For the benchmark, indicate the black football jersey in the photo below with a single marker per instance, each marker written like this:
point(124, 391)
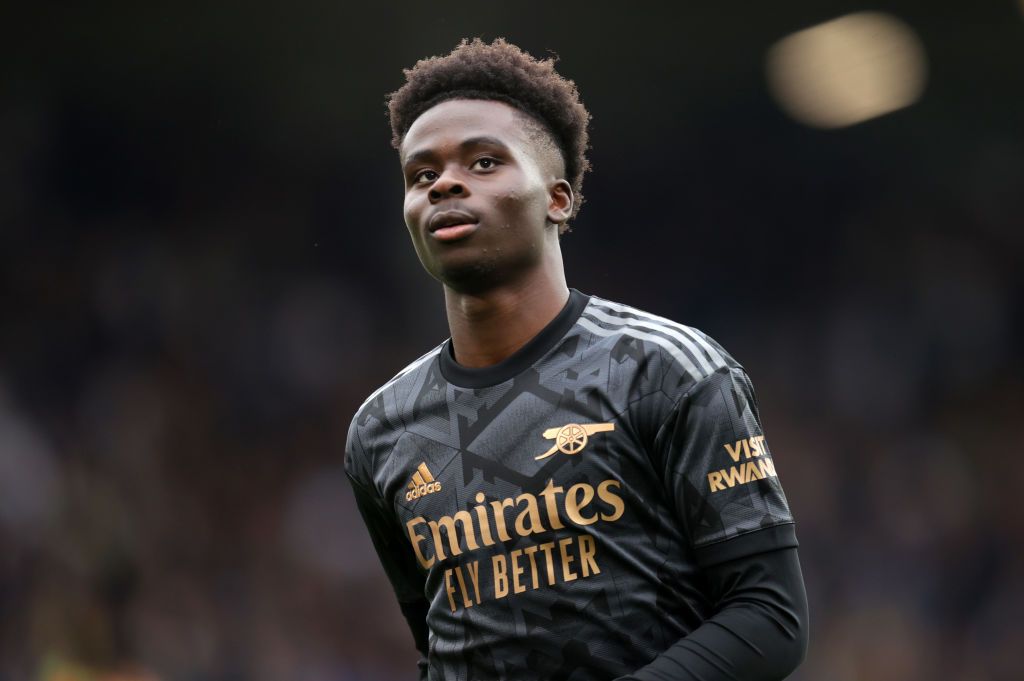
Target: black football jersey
point(553, 513)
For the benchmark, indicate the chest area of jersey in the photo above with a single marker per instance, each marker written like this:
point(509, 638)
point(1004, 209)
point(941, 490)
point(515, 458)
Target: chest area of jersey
point(491, 530)
point(453, 453)
point(521, 491)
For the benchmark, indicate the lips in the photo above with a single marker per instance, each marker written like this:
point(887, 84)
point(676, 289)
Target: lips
point(448, 218)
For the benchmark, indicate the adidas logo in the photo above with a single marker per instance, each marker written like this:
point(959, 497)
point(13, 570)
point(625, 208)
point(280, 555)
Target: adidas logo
point(422, 484)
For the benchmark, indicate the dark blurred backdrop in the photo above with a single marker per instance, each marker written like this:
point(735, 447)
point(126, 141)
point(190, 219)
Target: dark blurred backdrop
point(205, 271)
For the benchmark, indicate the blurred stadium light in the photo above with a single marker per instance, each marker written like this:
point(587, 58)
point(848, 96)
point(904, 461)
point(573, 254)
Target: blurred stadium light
point(847, 70)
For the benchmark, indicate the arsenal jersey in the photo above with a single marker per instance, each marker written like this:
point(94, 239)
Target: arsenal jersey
point(551, 515)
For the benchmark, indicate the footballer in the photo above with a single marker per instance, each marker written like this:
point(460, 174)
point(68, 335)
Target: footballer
point(567, 487)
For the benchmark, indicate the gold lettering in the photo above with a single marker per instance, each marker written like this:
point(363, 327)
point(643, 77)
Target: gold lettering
point(485, 524)
point(734, 451)
point(449, 588)
point(587, 550)
point(567, 574)
point(500, 571)
point(533, 513)
point(573, 505)
point(416, 539)
point(462, 586)
point(448, 523)
point(733, 476)
point(739, 475)
point(499, 517)
point(452, 535)
point(529, 551)
point(612, 499)
point(474, 575)
point(548, 560)
point(746, 448)
point(752, 472)
point(551, 503)
point(516, 571)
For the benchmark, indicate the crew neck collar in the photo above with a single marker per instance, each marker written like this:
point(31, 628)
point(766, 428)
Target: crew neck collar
point(521, 359)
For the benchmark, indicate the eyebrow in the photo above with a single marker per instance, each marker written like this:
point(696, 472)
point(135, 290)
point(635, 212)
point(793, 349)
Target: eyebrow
point(481, 140)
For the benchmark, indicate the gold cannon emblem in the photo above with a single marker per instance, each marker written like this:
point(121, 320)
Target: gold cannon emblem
point(573, 437)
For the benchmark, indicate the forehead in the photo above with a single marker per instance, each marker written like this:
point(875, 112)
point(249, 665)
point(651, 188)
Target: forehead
point(457, 119)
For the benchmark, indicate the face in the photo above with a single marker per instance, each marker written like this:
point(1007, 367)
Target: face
point(484, 194)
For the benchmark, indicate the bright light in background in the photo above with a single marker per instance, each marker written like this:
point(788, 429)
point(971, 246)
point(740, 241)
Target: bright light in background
point(847, 70)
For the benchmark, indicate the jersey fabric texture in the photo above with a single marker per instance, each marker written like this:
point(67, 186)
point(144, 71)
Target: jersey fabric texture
point(552, 514)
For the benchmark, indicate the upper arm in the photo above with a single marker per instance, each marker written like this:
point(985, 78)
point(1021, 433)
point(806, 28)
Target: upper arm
point(719, 472)
point(387, 535)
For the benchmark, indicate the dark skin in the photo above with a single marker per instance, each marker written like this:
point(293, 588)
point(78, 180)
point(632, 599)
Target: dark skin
point(485, 199)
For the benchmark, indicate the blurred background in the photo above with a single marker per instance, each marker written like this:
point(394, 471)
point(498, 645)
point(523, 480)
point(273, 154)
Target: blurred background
point(204, 271)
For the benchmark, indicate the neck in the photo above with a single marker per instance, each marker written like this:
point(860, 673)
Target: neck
point(488, 327)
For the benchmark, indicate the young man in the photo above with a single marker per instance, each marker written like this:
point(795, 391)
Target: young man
point(567, 488)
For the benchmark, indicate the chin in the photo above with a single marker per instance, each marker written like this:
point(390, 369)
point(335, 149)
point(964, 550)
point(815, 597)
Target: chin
point(480, 274)
point(475, 270)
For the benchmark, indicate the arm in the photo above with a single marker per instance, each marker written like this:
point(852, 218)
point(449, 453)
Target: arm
point(401, 571)
point(391, 547)
point(759, 629)
point(723, 485)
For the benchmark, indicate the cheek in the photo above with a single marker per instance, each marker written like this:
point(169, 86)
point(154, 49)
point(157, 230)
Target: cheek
point(411, 209)
point(524, 201)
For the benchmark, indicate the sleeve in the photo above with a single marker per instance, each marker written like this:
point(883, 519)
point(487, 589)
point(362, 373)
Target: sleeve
point(720, 475)
point(391, 547)
point(759, 629)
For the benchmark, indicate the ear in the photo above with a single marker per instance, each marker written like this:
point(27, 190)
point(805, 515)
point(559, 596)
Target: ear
point(560, 202)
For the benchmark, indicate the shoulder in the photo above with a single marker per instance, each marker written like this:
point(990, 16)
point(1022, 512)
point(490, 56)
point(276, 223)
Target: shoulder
point(680, 355)
point(378, 418)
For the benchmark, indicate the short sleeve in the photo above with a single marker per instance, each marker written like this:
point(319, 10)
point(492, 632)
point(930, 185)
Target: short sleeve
point(720, 473)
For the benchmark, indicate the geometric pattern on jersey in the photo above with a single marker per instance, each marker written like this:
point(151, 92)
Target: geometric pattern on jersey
point(583, 564)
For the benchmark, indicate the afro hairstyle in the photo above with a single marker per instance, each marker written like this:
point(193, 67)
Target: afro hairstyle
point(499, 71)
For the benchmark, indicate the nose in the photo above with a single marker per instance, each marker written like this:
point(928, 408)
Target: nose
point(447, 185)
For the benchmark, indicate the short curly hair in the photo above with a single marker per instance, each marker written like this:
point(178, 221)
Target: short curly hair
point(499, 71)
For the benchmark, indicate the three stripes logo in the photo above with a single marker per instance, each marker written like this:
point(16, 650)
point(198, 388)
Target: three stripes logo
point(422, 484)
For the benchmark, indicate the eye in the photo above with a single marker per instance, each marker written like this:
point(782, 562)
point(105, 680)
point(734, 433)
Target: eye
point(424, 175)
point(485, 163)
